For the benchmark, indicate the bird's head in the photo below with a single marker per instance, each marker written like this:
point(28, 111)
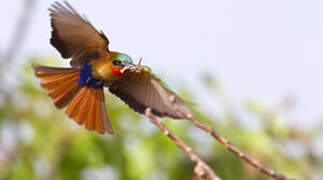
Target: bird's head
point(120, 63)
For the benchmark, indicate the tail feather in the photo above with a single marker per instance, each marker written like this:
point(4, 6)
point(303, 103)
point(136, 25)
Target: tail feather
point(82, 107)
point(102, 122)
point(99, 124)
point(89, 124)
point(88, 109)
point(85, 105)
point(51, 81)
point(74, 107)
point(60, 83)
point(62, 98)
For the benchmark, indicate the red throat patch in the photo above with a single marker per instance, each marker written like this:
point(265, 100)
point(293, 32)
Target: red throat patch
point(116, 70)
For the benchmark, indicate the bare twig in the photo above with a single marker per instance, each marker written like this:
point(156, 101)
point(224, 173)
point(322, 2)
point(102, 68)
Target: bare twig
point(226, 143)
point(252, 161)
point(202, 170)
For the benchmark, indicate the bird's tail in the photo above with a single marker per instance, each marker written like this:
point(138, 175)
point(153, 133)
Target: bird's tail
point(85, 105)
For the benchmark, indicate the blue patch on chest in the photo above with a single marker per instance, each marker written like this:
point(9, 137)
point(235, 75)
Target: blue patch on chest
point(86, 78)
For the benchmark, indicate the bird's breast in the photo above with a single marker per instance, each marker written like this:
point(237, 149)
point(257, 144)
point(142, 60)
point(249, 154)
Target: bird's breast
point(102, 69)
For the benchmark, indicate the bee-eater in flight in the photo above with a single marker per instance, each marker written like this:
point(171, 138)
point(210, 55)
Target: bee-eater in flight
point(93, 67)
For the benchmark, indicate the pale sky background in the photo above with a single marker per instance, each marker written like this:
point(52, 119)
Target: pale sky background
point(263, 50)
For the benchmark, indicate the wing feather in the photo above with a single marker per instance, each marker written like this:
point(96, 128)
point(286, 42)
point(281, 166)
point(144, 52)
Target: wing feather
point(143, 89)
point(74, 36)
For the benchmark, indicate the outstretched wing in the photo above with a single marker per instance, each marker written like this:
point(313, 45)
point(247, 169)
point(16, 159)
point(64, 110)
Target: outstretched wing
point(74, 37)
point(143, 89)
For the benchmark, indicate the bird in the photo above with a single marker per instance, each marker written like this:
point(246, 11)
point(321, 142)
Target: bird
point(80, 88)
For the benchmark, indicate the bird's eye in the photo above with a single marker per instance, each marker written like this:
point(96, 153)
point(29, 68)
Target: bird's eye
point(117, 63)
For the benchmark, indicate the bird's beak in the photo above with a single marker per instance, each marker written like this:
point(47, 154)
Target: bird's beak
point(130, 65)
point(127, 66)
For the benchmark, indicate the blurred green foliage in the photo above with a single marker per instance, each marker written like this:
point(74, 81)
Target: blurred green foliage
point(39, 142)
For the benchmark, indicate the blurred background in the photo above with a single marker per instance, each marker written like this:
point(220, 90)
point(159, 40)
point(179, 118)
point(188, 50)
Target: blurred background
point(252, 69)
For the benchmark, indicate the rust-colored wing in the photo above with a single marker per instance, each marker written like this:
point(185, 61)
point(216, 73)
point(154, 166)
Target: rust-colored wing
point(143, 89)
point(74, 37)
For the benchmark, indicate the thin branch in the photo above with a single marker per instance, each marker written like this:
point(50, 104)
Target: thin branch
point(252, 161)
point(202, 170)
point(226, 143)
